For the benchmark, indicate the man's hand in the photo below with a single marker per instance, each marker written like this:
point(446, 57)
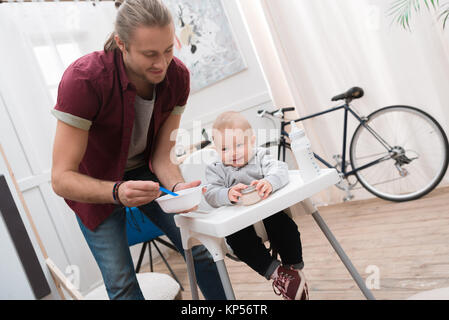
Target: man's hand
point(137, 193)
point(187, 185)
point(234, 192)
point(263, 187)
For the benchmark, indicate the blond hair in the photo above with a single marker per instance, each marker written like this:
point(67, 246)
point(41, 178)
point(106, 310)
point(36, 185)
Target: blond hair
point(136, 13)
point(231, 120)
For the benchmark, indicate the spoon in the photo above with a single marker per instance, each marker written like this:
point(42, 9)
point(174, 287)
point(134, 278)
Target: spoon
point(175, 194)
point(168, 191)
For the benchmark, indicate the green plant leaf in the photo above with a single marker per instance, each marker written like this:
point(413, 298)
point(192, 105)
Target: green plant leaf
point(401, 11)
point(445, 16)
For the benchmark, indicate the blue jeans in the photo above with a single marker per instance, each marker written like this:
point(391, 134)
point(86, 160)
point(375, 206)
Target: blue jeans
point(109, 246)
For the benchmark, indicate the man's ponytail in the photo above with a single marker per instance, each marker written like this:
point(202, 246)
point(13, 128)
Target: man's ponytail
point(135, 13)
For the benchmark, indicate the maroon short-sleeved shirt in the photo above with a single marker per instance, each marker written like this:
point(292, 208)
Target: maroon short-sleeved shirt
point(96, 88)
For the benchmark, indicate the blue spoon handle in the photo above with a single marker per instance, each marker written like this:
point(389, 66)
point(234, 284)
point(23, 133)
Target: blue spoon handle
point(168, 191)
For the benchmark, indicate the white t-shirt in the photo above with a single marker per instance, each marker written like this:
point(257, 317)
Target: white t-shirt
point(143, 111)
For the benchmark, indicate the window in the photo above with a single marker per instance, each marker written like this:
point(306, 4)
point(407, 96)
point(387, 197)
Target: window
point(53, 61)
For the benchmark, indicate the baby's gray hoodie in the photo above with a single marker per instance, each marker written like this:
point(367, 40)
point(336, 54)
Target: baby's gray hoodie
point(262, 165)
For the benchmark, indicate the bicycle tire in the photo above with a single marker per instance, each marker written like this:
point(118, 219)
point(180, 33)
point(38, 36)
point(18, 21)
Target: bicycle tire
point(443, 161)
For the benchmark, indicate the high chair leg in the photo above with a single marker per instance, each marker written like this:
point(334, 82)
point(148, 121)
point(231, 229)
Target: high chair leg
point(343, 257)
point(191, 273)
point(222, 271)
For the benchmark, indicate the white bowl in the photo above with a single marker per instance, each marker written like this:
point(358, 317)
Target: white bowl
point(185, 200)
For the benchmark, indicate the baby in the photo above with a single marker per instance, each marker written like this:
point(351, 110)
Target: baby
point(242, 165)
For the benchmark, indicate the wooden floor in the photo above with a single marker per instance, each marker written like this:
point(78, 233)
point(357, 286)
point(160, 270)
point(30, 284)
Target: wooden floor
point(406, 243)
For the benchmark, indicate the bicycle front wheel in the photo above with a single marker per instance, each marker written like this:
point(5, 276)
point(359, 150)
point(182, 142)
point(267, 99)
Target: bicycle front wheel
point(401, 153)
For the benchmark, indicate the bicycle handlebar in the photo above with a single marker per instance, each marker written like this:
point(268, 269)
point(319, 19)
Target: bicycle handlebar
point(282, 110)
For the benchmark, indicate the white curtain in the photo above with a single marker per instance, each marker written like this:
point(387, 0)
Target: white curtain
point(328, 46)
point(38, 41)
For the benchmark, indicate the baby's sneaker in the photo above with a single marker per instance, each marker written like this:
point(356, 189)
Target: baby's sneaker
point(291, 284)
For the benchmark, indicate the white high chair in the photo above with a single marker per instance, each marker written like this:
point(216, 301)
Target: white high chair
point(194, 168)
point(210, 225)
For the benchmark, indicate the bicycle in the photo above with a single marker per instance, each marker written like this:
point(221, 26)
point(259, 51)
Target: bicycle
point(385, 162)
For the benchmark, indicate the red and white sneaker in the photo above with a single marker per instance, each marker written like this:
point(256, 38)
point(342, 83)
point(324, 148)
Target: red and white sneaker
point(291, 284)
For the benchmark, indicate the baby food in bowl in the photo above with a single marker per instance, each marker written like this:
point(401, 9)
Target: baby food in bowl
point(249, 196)
point(185, 200)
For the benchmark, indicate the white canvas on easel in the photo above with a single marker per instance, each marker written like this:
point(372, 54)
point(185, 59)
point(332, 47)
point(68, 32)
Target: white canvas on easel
point(12, 274)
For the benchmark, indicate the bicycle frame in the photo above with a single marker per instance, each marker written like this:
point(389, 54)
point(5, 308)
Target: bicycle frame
point(347, 109)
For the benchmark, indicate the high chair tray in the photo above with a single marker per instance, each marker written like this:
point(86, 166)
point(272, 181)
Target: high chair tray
point(227, 220)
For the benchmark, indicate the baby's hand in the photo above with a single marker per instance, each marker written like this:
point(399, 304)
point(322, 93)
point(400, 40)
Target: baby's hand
point(263, 187)
point(234, 192)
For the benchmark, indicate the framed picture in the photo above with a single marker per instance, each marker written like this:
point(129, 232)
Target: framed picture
point(204, 41)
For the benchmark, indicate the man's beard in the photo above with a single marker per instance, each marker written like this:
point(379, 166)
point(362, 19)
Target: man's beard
point(144, 77)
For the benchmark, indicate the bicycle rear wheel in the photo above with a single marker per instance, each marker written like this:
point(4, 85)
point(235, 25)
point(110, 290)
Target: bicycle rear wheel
point(409, 150)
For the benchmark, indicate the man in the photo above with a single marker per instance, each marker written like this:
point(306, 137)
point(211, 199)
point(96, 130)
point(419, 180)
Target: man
point(116, 109)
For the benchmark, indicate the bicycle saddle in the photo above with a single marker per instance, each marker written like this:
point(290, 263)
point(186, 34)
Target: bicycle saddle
point(353, 93)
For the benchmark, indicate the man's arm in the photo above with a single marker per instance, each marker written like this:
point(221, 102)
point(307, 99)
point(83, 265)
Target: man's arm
point(164, 166)
point(68, 150)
